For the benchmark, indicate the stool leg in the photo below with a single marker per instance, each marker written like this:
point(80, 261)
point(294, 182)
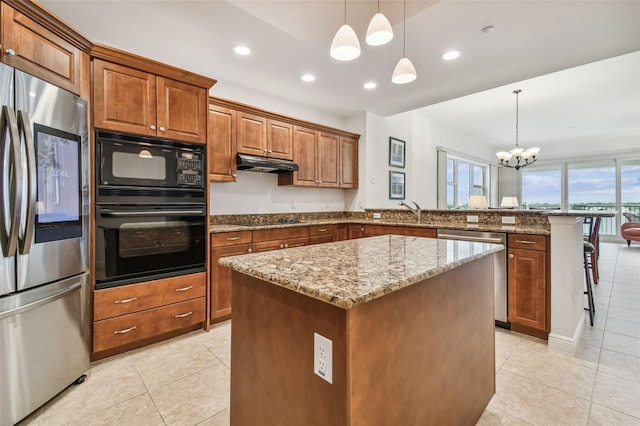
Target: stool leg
point(594, 267)
point(589, 291)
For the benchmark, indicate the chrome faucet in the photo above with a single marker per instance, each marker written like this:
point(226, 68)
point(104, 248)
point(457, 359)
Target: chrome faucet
point(417, 212)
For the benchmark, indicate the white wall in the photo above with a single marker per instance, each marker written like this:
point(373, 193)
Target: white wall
point(255, 192)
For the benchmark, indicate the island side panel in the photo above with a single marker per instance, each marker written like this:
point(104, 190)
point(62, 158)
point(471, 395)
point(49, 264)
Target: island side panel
point(272, 378)
point(425, 355)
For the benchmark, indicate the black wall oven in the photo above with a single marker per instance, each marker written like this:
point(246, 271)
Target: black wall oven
point(150, 209)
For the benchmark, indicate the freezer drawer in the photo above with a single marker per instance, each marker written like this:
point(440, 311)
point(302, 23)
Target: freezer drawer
point(44, 345)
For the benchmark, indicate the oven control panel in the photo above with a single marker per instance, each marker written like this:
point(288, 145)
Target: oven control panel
point(189, 169)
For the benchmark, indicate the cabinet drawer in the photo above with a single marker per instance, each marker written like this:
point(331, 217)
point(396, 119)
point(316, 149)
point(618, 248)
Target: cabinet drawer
point(112, 302)
point(267, 246)
point(527, 241)
point(296, 242)
point(375, 230)
point(416, 232)
point(114, 332)
point(319, 239)
point(280, 233)
point(321, 230)
point(230, 238)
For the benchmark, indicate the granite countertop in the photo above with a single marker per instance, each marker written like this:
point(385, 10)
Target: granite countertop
point(349, 273)
point(517, 229)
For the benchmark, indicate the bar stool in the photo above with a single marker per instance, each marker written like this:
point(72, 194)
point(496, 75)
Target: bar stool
point(593, 238)
point(588, 250)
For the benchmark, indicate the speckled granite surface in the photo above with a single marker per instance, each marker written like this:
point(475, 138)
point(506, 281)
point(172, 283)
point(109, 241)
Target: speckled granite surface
point(349, 273)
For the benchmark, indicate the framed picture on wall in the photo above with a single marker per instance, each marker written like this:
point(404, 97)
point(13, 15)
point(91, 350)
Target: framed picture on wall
point(396, 185)
point(396, 152)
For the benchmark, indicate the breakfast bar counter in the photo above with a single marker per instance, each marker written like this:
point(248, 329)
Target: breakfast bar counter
point(410, 321)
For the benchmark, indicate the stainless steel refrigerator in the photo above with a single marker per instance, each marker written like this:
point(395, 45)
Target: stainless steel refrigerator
point(45, 317)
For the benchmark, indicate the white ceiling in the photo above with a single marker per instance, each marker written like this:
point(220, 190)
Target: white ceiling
point(289, 38)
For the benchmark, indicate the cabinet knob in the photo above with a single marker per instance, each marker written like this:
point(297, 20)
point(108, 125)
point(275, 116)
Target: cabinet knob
point(152, 127)
point(511, 256)
point(249, 250)
point(162, 129)
point(10, 52)
point(235, 175)
point(265, 150)
point(286, 245)
point(270, 151)
point(281, 246)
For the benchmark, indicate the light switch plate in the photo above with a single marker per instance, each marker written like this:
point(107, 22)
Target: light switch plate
point(508, 220)
point(472, 218)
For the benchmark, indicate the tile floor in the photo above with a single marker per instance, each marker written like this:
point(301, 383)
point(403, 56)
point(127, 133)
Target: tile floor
point(185, 381)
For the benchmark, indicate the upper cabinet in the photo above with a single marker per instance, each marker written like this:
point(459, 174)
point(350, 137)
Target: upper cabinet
point(129, 100)
point(37, 43)
point(258, 135)
point(137, 95)
point(221, 144)
point(348, 162)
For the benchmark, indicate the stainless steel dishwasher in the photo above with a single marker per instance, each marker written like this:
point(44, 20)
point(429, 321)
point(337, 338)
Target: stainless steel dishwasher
point(500, 266)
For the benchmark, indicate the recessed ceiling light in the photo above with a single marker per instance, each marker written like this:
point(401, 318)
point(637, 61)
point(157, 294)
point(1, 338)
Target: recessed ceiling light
point(370, 85)
point(450, 55)
point(242, 50)
point(308, 77)
point(488, 29)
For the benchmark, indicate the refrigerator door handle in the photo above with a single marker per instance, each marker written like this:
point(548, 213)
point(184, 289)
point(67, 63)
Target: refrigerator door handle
point(24, 124)
point(29, 306)
point(9, 237)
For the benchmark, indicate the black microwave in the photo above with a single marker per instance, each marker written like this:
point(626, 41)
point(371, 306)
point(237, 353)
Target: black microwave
point(151, 170)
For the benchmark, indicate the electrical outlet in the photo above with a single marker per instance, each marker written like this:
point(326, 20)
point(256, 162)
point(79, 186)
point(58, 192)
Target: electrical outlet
point(323, 357)
point(472, 218)
point(508, 220)
point(377, 215)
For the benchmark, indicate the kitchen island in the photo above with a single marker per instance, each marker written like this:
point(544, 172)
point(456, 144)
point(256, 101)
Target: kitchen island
point(410, 321)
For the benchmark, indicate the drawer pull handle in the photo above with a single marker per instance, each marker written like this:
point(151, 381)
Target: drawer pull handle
point(525, 242)
point(183, 315)
point(322, 230)
point(184, 288)
point(232, 238)
point(126, 330)
point(133, 299)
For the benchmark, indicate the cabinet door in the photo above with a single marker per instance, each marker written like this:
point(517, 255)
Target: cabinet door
point(221, 144)
point(279, 140)
point(341, 232)
point(319, 239)
point(375, 230)
point(182, 111)
point(267, 246)
point(295, 242)
point(124, 99)
point(327, 160)
point(221, 279)
point(356, 231)
point(304, 154)
point(527, 288)
point(348, 162)
point(252, 134)
point(33, 49)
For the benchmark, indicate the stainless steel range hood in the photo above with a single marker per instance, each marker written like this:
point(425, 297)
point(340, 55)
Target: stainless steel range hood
point(254, 163)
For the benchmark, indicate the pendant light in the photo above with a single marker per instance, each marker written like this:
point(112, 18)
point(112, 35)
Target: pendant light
point(345, 45)
point(379, 31)
point(520, 156)
point(404, 72)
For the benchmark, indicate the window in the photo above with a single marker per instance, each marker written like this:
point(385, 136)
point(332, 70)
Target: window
point(630, 186)
point(542, 187)
point(464, 179)
point(592, 186)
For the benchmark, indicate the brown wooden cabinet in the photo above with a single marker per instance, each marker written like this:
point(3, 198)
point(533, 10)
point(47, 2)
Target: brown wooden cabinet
point(129, 314)
point(222, 245)
point(356, 231)
point(319, 234)
point(40, 51)
point(348, 162)
point(341, 232)
point(221, 144)
point(258, 135)
point(327, 152)
point(279, 140)
point(279, 238)
point(528, 284)
point(134, 101)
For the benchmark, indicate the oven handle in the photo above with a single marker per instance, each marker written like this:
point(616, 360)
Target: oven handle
point(138, 213)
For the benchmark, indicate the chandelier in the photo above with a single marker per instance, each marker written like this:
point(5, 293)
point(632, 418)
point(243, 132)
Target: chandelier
point(520, 156)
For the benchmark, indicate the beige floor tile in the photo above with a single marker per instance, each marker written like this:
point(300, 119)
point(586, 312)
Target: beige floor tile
point(591, 335)
point(617, 393)
point(34, 419)
point(627, 328)
point(218, 341)
point(603, 416)
point(535, 402)
point(590, 354)
point(619, 364)
point(627, 302)
point(107, 384)
point(624, 314)
point(491, 418)
point(570, 375)
point(133, 412)
point(621, 343)
point(172, 362)
point(220, 419)
point(195, 398)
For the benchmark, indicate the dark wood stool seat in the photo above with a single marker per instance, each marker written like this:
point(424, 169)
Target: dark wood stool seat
point(588, 250)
